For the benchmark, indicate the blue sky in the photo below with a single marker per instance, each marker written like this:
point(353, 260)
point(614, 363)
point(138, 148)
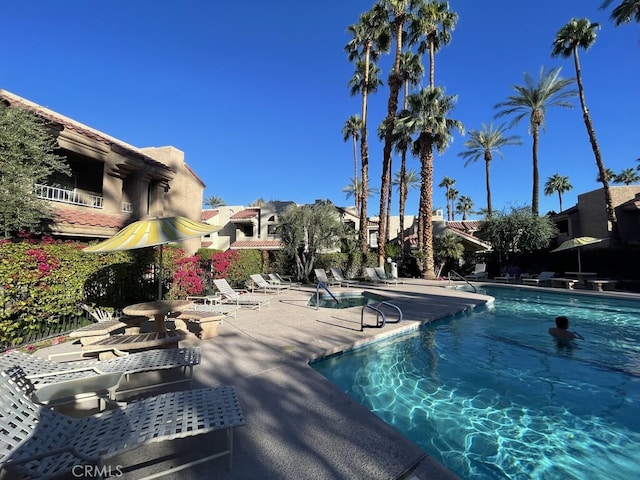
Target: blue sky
point(255, 92)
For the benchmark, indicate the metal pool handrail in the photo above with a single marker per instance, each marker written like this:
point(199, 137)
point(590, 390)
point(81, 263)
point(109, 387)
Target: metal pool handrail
point(323, 285)
point(464, 279)
point(379, 313)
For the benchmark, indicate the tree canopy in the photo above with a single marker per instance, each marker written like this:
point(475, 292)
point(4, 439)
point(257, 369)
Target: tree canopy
point(517, 231)
point(306, 231)
point(27, 156)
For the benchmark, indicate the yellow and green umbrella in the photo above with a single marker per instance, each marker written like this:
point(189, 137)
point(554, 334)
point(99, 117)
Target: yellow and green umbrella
point(578, 243)
point(153, 232)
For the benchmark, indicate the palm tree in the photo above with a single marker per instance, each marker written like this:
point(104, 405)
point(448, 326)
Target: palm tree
point(214, 202)
point(370, 38)
point(405, 182)
point(557, 183)
point(464, 206)
point(452, 195)
point(447, 183)
point(624, 12)
point(402, 141)
point(398, 11)
point(533, 99)
point(428, 114)
point(354, 189)
point(411, 72)
point(352, 129)
point(627, 176)
point(582, 33)
point(431, 30)
point(609, 174)
point(481, 144)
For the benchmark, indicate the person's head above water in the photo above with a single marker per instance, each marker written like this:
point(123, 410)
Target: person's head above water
point(562, 322)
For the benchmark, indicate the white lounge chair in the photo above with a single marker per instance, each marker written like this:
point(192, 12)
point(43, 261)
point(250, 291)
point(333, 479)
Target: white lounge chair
point(276, 278)
point(544, 278)
point(240, 298)
point(321, 276)
point(382, 275)
point(479, 272)
point(42, 371)
point(337, 274)
point(266, 286)
point(38, 442)
point(372, 275)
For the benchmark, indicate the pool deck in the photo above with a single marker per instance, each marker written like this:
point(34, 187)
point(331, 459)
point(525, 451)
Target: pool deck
point(298, 424)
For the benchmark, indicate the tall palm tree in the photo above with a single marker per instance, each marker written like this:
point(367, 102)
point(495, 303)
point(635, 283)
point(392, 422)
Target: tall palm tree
point(481, 144)
point(402, 140)
point(405, 182)
point(352, 129)
point(411, 72)
point(431, 30)
point(398, 11)
point(624, 12)
point(354, 189)
point(214, 201)
point(582, 34)
point(557, 183)
point(627, 176)
point(428, 114)
point(608, 173)
point(447, 183)
point(464, 206)
point(532, 100)
point(370, 38)
point(452, 195)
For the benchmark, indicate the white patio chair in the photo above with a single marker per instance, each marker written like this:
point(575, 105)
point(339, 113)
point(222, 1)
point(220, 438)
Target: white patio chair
point(38, 442)
point(266, 286)
point(240, 298)
point(321, 276)
point(337, 274)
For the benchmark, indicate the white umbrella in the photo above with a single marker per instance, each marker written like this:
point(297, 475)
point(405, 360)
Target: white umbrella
point(578, 243)
point(153, 232)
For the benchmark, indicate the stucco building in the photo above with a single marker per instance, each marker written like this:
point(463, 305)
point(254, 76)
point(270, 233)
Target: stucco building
point(112, 183)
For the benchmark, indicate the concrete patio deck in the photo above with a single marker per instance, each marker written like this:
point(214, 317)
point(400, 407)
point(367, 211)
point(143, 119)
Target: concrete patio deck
point(298, 424)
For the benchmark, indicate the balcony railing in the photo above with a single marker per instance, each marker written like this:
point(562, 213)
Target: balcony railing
point(74, 197)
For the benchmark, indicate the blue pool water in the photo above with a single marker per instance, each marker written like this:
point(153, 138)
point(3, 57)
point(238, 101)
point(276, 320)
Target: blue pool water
point(491, 395)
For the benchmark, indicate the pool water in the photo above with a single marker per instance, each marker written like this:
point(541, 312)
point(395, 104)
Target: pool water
point(491, 395)
point(345, 299)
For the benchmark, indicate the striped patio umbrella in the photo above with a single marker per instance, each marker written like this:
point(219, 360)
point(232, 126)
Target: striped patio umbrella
point(153, 232)
point(578, 243)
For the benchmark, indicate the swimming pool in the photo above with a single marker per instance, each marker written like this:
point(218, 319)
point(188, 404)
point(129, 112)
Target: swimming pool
point(491, 395)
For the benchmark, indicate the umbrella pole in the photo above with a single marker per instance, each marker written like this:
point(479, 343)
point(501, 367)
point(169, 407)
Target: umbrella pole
point(160, 277)
point(579, 261)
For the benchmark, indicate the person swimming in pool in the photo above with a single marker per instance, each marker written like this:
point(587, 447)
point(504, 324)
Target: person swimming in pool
point(561, 330)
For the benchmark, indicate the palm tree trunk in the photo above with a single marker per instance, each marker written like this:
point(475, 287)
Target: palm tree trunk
point(487, 175)
point(611, 213)
point(395, 84)
point(403, 196)
point(389, 206)
point(536, 177)
point(560, 199)
point(364, 159)
point(426, 204)
point(355, 170)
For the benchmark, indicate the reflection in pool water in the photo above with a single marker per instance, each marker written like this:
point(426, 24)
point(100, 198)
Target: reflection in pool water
point(491, 395)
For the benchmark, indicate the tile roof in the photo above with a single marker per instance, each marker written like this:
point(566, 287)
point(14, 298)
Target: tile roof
point(246, 213)
point(207, 214)
point(79, 128)
point(257, 244)
point(464, 225)
point(90, 218)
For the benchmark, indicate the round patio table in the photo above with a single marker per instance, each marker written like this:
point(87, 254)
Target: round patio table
point(158, 310)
